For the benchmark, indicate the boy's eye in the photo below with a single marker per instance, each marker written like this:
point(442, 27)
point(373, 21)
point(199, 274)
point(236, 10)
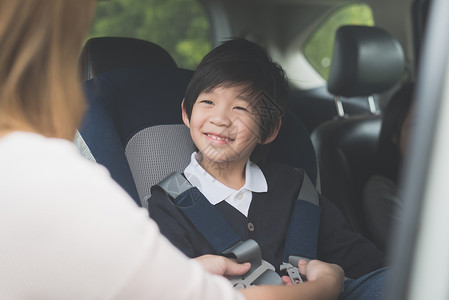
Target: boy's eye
point(241, 108)
point(206, 102)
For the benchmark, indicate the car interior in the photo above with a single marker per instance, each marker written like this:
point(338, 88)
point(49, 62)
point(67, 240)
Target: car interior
point(134, 89)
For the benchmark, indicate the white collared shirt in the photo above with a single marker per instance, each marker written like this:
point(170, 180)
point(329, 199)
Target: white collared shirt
point(215, 191)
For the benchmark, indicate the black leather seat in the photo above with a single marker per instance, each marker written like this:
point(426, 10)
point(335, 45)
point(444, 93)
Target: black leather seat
point(133, 125)
point(366, 61)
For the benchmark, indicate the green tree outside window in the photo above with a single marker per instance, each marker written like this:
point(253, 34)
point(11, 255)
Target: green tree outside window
point(318, 50)
point(179, 26)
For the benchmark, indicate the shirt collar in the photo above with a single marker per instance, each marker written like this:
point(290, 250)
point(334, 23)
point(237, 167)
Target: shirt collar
point(214, 190)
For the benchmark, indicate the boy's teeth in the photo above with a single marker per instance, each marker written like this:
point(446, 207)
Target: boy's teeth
point(218, 138)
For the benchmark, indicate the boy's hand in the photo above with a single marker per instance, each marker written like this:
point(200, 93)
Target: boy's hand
point(220, 265)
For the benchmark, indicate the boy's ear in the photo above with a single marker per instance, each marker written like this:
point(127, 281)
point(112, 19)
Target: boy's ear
point(185, 118)
point(273, 135)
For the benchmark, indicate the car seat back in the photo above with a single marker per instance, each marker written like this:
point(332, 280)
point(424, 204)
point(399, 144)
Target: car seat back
point(105, 54)
point(366, 61)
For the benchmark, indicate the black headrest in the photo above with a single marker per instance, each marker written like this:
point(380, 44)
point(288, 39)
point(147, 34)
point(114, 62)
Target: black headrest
point(104, 54)
point(366, 60)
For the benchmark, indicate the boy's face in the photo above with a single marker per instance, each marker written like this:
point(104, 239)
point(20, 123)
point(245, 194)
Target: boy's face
point(223, 126)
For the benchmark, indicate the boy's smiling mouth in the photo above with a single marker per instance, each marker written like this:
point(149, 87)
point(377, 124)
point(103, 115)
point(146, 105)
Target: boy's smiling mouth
point(218, 138)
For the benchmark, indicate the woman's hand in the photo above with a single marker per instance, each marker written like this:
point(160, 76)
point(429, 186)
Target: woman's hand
point(220, 265)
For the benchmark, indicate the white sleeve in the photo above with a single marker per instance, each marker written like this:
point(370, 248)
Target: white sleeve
point(165, 273)
point(68, 231)
point(159, 270)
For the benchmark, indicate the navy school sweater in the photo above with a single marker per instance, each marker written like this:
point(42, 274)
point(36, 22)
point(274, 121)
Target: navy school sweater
point(267, 224)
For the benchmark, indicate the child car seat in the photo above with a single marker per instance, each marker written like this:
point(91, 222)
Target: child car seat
point(133, 124)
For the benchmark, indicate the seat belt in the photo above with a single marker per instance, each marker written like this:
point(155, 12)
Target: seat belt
point(220, 236)
point(300, 243)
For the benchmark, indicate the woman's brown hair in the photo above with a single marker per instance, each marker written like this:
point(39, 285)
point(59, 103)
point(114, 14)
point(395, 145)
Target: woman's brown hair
point(40, 42)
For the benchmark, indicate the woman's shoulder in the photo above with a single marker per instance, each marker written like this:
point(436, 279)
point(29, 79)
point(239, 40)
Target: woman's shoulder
point(53, 161)
point(50, 171)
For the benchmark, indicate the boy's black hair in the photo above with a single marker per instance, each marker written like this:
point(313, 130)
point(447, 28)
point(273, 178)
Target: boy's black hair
point(240, 62)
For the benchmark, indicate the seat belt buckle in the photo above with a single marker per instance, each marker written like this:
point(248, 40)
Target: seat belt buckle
point(261, 271)
point(262, 275)
point(292, 272)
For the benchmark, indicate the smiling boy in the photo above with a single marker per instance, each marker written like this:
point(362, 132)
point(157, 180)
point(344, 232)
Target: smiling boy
point(232, 108)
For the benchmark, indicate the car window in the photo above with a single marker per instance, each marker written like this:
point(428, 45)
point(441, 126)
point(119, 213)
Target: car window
point(180, 26)
point(318, 49)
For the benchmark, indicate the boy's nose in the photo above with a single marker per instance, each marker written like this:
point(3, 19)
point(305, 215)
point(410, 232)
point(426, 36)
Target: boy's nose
point(221, 118)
